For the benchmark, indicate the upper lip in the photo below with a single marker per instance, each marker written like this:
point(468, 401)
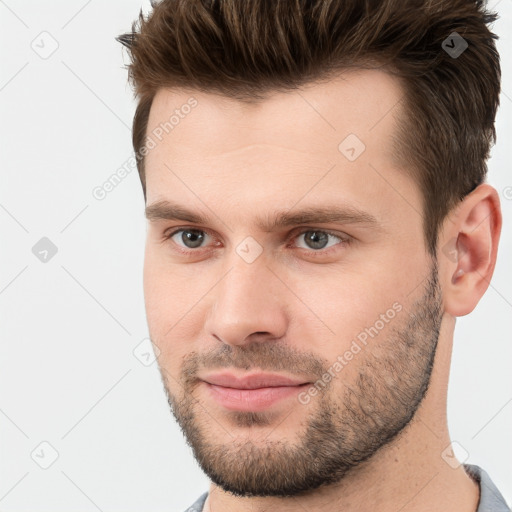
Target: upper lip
point(253, 381)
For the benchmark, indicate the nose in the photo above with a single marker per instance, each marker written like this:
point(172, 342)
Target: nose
point(248, 304)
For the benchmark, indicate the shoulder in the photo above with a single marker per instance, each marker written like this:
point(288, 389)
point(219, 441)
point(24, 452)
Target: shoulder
point(491, 500)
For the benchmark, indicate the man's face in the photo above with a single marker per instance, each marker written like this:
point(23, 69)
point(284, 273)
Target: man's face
point(349, 308)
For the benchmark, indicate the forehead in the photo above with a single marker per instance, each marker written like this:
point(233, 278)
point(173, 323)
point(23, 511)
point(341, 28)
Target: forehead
point(316, 117)
point(332, 138)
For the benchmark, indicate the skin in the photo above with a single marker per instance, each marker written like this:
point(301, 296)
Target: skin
point(237, 163)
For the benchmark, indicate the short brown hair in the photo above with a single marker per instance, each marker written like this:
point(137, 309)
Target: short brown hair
point(245, 49)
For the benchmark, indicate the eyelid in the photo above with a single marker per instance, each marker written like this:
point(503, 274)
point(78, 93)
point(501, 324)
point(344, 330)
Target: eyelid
point(343, 237)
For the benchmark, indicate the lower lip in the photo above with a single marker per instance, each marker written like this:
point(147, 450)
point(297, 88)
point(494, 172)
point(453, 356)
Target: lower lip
point(251, 399)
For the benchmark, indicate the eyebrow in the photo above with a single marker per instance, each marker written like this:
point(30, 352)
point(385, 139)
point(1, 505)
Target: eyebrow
point(166, 210)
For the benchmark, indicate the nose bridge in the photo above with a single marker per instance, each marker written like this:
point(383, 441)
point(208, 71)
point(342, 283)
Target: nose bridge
point(245, 302)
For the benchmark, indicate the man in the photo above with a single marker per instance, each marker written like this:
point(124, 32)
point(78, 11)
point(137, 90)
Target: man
point(314, 178)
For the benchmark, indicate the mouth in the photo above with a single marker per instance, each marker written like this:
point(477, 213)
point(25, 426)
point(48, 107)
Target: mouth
point(255, 392)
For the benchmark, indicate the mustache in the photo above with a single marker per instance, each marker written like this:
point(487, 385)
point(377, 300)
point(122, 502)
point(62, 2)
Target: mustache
point(269, 356)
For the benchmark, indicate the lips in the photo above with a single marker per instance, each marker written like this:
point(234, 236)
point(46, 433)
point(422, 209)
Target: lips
point(254, 381)
point(254, 392)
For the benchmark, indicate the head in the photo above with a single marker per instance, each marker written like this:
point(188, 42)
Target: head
point(313, 174)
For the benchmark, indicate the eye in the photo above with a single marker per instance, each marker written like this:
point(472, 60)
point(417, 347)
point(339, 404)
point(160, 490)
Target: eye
point(191, 238)
point(315, 240)
point(318, 239)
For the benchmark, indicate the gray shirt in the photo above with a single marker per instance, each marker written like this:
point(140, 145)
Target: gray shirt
point(491, 499)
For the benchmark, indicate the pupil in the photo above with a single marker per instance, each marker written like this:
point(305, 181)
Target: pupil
point(315, 237)
point(192, 237)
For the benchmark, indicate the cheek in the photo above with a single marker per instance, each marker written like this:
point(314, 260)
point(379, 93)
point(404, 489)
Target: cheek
point(156, 294)
point(340, 305)
point(172, 297)
point(168, 291)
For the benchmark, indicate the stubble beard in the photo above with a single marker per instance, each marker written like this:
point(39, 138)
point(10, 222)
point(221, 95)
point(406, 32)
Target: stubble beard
point(339, 434)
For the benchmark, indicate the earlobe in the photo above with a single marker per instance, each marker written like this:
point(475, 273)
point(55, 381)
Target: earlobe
point(473, 235)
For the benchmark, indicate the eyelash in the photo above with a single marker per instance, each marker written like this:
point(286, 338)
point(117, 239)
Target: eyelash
point(344, 240)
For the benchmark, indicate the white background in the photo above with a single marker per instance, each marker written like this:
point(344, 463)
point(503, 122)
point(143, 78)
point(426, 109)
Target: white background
point(68, 375)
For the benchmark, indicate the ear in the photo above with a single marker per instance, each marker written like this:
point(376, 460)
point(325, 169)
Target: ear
point(467, 249)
